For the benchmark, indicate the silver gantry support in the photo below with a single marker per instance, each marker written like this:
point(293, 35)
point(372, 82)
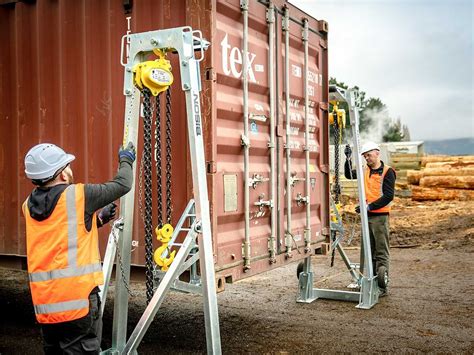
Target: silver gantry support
point(272, 144)
point(184, 41)
point(244, 6)
point(368, 295)
point(108, 264)
point(307, 199)
point(289, 177)
point(307, 274)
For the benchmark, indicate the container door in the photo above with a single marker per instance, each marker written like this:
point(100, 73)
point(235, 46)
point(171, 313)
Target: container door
point(258, 240)
point(298, 232)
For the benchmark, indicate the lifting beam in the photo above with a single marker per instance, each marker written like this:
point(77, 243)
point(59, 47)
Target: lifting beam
point(184, 42)
point(368, 295)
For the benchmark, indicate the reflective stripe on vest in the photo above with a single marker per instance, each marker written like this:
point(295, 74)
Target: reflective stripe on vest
point(61, 273)
point(71, 225)
point(60, 306)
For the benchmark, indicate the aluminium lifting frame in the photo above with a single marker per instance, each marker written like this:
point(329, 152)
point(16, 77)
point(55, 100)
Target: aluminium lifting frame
point(368, 295)
point(183, 41)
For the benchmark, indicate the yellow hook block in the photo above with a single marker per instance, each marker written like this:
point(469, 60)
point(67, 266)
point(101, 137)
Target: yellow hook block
point(154, 74)
point(164, 235)
point(333, 213)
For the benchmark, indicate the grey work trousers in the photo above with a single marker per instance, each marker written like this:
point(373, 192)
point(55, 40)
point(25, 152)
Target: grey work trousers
point(379, 230)
point(80, 336)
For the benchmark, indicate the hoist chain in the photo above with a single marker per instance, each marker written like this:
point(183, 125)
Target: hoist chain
point(337, 187)
point(337, 133)
point(147, 165)
point(169, 208)
point(158, 161)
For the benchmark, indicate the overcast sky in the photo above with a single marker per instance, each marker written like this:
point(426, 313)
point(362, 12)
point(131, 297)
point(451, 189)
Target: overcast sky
point(415, 55)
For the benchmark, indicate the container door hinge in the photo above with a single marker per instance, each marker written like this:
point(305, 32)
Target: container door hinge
point(210, 74)
point(211, 167)
point(323, 26)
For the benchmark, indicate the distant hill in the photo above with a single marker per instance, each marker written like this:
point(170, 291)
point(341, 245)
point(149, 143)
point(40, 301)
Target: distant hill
point(459, 146)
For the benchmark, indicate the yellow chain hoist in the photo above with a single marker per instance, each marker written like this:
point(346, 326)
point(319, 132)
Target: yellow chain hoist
point(341, 117)
point(154, 74)
point(164, 235)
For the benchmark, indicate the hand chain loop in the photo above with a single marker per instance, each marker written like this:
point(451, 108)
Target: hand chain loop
point(337, 186)
point(158, 163)
point(147, 121)
point(169, 208)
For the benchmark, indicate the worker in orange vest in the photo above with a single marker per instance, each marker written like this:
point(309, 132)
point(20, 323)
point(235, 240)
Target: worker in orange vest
point(62, 246)
point(379, 182)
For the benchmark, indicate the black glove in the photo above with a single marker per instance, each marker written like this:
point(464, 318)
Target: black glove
point(127, 153)
point(348, 151)
point(357, 209)
point(107, 214)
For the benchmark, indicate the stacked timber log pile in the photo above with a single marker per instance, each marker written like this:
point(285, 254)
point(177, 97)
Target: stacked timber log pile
point(402, 163)
point(348, 187)
point(443, 178)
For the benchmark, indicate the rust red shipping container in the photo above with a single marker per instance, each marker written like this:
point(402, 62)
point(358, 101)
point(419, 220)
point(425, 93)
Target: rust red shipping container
point(61, 81)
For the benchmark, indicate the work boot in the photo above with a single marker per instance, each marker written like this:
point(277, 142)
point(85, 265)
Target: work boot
point(383, 292)
point(382, 277)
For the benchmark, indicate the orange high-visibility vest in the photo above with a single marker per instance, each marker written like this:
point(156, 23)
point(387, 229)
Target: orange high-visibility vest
point(373, 188)
point(63, 259)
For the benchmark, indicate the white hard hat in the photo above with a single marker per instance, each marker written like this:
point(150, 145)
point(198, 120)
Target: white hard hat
point(45, 159)
point(367, 147)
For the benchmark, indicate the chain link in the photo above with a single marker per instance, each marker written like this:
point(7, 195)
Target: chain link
point(169, 208)
point(115, 228)
point(337, 133)
point(147, 113)
point(158, 161)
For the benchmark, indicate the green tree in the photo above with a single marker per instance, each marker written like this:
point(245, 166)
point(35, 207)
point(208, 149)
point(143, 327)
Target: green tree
point(394, 132)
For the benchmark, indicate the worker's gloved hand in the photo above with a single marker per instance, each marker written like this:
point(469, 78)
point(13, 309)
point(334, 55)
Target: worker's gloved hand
point(348, 151)
point(357, 209)
point(127, 153)
point(107, 213)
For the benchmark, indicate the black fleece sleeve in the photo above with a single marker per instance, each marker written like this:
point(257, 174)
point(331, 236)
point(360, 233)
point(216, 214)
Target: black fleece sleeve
point(388, 191)
point(348, 170)
point(98, 196)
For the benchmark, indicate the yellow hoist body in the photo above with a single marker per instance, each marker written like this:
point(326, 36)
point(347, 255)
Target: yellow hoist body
point(155, 74)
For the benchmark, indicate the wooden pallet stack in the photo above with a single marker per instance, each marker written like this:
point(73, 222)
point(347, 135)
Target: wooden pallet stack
point(402, 163)
point(443, 178)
